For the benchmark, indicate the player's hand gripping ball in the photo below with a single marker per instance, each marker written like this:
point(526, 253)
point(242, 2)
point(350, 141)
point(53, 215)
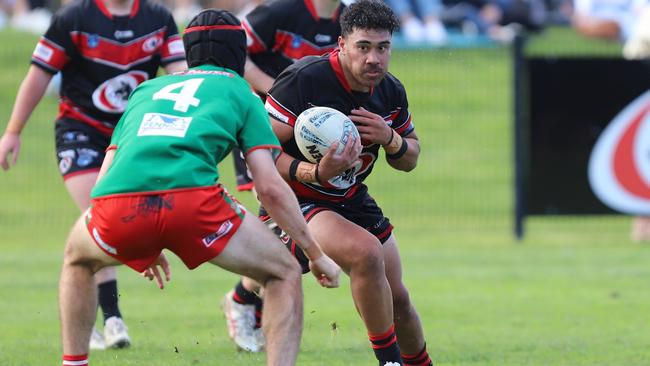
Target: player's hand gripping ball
point(317, 128)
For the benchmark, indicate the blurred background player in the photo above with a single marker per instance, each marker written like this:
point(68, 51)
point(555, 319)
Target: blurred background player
point(103, 49)
point(279, 33)
point(175, 125)
point(344, 218)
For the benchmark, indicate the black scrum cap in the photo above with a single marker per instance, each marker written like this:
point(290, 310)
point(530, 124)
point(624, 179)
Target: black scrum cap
point(216, 37)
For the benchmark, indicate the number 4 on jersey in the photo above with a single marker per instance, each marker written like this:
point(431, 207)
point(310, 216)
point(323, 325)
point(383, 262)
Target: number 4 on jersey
point(184, 98)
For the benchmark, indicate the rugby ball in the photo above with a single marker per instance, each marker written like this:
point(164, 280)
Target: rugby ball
point(317, 128)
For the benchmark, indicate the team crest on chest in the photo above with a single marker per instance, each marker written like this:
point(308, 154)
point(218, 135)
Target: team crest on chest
point(152, 44)
point(112, 95)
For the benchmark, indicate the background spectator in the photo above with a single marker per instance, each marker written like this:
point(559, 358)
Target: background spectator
point(498, 19)
point(420, 20)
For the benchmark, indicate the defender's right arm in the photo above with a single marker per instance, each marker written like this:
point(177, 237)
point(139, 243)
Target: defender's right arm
point(281, 203)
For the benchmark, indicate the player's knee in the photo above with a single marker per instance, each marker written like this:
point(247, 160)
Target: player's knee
point(368, 258)
point(285, 267)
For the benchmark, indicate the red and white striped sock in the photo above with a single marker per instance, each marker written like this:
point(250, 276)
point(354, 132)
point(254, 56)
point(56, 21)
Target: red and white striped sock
point(75, 360)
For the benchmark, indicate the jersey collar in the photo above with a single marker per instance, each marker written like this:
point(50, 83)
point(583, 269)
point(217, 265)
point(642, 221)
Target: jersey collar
point(102, 7)
point(338, 71)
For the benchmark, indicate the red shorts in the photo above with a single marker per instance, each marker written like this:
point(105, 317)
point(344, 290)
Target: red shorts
point(195, 224)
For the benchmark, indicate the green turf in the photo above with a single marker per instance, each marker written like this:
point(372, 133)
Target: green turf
point(574, 292)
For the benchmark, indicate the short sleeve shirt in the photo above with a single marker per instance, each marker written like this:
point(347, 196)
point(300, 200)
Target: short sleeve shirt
point(282, 31)
point(319, 81)
point(177, 128)
point(103, 57)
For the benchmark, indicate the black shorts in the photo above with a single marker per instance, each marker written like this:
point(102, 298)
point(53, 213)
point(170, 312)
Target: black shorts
point(361, 210)
point(80, 148)
point(244, 180)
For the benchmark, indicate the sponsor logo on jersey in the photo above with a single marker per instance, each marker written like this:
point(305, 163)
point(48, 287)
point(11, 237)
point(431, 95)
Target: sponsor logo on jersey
point(158, 124)
point(619, 166)
point(72, 136)
point(224, 229)
point(348, 178)
point(86, 156)
point(93, 41)
point(65, 163)
point(323, 38)
point(121, 34)
point(152, 44)
point(102, 243)
point(176, 47)
point(43, 52)
point(305, 209)
point(113, 94)
point(275, 113)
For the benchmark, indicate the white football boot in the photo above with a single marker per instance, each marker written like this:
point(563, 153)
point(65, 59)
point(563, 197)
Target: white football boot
point(240, 320)
point(97, 340)
point(116, 333)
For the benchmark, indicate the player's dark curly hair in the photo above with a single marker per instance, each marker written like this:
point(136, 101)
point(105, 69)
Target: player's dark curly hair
point(368, 14)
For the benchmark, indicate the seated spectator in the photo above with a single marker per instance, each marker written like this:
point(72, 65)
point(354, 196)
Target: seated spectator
point(30, 16)
point(497, 19)
point(637, 47)
point(606, 19)
point(420, 20)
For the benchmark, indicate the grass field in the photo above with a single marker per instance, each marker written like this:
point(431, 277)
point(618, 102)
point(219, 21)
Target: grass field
point(574, 292)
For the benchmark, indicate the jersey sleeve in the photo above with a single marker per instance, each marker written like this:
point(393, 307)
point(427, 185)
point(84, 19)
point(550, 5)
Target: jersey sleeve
point(117, 131)
point(55, 48)
point(172, 49)
point(284, 101)
point(261, 26)
point(256, 132)
point(402, 121)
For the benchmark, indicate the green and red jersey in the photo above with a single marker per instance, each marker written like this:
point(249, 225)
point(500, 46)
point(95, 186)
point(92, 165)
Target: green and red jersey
point(178, 127)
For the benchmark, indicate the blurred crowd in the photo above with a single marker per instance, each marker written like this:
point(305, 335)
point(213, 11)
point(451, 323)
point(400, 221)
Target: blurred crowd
point(423, 21)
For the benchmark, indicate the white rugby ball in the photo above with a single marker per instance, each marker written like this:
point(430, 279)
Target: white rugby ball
point(317, 128)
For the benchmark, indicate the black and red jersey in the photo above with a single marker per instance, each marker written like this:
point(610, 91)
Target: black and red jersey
point(319, 81)
point(103, 57)
point(283, 31)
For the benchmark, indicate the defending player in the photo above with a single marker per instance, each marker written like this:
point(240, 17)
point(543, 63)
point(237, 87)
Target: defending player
point(104, 49)
point(344, 218)
point(279, 33)
point(175, 131)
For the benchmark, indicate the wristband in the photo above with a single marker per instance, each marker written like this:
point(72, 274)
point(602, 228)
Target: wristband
point(400, 152)
point(293, 168)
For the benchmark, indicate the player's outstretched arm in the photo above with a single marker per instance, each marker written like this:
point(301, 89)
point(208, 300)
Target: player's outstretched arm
point(259, 80)
point(280, 202)
point(29, 94)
